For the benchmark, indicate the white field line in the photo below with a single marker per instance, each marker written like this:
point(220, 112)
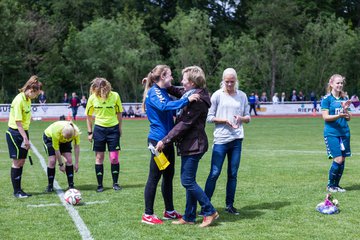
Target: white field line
point(74, 214)
point(58, 204)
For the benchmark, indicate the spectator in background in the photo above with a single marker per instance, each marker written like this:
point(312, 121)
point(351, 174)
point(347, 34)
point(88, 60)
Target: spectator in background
point(283, 97)
point(252, 103)
point(257, 102)
point(83, 101)
point(124, 113)
point(346, 96)
point(355, 100)
point(263, 97)
point(74, 104)
point(42, 98)
point(293, 96)
point(301, 96)
point(65, 99)
point(275, 98)
point(138, 111)
point(313, 99)
point(131, 112)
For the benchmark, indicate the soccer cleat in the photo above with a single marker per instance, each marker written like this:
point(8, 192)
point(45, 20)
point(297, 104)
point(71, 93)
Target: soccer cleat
point(181, 221)
point(49, 189)
point(22, 194)
point(172, 215)
point(208, 220)
point(201, 214)
point(100, 189)
point(116, 187)
point(232, 210)
point(340, 189)
point(151, 219)
point(332, 189)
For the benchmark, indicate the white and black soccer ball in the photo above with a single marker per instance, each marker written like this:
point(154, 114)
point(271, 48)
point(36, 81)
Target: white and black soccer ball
point(72, 196)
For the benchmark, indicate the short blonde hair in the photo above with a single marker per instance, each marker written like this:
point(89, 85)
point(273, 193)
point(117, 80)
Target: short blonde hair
point(195, 75)
point(70, 130)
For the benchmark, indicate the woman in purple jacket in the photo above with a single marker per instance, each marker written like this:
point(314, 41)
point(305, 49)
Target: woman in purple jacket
point(191, 141)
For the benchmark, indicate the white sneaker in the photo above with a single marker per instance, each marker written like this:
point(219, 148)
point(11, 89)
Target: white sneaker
point(332, 189)
point(340, 189)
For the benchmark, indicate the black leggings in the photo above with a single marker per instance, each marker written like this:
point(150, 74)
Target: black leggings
point(154, 177)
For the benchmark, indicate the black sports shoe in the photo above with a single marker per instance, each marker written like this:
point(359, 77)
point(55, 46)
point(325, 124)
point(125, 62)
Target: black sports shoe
point(49, 189)
point(100, 189)
point(22, 194)
point(232, 210)
point(116, 187)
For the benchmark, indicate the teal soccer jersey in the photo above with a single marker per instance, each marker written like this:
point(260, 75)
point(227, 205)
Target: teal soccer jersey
point(340, 126)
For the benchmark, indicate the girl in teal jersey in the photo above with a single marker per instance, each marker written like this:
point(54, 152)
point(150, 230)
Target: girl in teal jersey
point(336, 131)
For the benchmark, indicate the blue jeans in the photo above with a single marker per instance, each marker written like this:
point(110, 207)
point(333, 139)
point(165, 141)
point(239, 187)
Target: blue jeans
point(194, 193)
point(233, 151)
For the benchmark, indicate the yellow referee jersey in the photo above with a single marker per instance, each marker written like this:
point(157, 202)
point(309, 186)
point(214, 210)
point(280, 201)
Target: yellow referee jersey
point(105, 111)
point(20, 111)
point(54, 131)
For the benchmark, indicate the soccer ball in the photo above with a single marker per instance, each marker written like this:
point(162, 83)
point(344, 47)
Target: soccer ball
point(72, 196)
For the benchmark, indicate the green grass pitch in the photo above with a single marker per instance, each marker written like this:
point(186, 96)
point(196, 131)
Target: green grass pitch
point(282, 177)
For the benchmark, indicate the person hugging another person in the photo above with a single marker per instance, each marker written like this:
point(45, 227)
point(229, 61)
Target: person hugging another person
point(57, 140)
point(106, 105)
point(160, 108)
point(192, 143)
point(229, 111)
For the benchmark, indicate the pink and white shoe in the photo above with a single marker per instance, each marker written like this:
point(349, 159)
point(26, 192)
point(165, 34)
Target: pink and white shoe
point(151, 219)
point(168, 215)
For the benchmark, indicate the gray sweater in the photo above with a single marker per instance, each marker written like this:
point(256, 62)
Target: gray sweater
point(226, 106)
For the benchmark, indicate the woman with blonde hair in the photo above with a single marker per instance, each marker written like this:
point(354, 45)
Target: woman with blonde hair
point(160, 108)
point(334, 107)
point(17, 135)
point(106, 105)
point(57, 140)
point(192, 143)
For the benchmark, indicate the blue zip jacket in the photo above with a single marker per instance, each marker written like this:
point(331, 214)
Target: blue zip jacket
point(160, 111)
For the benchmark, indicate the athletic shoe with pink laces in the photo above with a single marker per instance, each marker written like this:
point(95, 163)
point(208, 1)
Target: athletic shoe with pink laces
point(151, 219)
point(168, 215)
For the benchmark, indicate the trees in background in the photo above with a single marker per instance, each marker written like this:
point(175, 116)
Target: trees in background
point(275, 46)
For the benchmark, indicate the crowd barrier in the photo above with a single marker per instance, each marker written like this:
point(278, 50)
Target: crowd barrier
point(55, 111)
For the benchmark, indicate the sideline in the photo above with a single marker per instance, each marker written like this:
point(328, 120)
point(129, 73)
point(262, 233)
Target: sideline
point(74, 214)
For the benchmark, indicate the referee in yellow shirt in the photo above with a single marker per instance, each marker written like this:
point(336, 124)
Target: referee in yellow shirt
point(17, 135)
point(57, 140)
point(107, 108)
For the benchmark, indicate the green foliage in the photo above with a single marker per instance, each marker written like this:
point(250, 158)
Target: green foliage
point(117, 49)
point(192, 36)
point(275, 46)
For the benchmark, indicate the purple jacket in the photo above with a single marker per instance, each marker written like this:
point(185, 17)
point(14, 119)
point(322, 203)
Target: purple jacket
point(189, 130)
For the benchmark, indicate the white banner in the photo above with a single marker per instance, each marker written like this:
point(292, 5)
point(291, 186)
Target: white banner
point(54, 111)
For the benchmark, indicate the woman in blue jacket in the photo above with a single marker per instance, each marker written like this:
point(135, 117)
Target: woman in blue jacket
point(160, 108)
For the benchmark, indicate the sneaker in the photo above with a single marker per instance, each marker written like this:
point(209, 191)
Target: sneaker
point(100, 189)
point(172, 215)
point(232, 210)
point(116, 187)
point(182, 222)
point(151, 219)
point(22, 194)
point(49, 189)
point(332, 189)
point(340, 189)
point(208, 220)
